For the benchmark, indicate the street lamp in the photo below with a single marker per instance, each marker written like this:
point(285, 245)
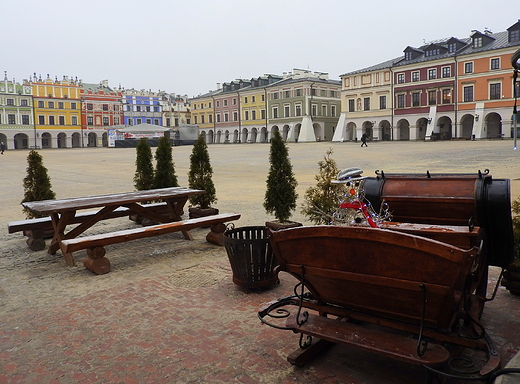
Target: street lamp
point(515, 62)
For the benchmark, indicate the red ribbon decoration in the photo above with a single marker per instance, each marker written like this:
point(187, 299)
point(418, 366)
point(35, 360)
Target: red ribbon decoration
point(360, 207)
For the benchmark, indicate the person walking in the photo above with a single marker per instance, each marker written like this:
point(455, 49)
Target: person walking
point(364, 139)
point(2, 147)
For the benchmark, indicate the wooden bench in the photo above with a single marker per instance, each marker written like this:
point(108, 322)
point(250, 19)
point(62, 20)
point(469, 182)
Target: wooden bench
point(39, 229)
point(94, 244)
point(392, 293)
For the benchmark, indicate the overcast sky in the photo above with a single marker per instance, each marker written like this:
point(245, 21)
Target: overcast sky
point(187, 46)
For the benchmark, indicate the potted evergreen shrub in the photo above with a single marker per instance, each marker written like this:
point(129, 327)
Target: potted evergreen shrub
point(164, 176)
point(37, 186)
point(280, 195)
point(322, 200)
point(144, 172)
point(200, 177)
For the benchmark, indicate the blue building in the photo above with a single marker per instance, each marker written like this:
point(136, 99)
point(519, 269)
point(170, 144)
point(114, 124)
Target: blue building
point(141, 107)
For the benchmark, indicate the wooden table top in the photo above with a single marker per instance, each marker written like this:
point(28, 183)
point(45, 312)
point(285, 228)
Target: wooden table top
point(77, 203)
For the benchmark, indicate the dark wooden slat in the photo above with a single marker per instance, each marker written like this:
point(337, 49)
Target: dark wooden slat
point(72, 245)
point(394, 345)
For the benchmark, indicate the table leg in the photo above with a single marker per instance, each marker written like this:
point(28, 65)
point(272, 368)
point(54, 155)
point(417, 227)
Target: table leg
point(60, 223)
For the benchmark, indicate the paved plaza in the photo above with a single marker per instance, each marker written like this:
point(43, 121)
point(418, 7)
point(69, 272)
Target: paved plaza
point(168, 312)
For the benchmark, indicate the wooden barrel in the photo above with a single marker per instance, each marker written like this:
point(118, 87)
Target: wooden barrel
point(450, 199)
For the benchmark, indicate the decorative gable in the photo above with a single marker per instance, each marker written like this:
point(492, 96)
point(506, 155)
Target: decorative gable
point(411, 53)
point(480, 39)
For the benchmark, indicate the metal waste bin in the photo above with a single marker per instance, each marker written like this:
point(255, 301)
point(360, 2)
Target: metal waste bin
point(251, 257)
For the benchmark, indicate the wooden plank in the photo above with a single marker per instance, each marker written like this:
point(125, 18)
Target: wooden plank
point(46, 223)
point(394, 345)
point(100, 240)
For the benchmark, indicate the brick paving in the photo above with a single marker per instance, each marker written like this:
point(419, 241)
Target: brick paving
point(169, 312)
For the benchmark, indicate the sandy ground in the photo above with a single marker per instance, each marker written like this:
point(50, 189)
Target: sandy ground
point(38, 280)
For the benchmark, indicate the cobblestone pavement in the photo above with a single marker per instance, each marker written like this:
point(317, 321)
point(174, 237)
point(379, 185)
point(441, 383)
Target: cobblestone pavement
point(168, 312)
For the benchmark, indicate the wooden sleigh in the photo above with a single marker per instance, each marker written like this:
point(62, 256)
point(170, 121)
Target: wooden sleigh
point(396, 292)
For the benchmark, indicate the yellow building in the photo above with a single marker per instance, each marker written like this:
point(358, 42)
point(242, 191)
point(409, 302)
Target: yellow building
point(57, 112)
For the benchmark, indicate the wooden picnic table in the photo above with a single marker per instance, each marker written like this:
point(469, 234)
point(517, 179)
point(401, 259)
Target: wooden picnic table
point(63, 211)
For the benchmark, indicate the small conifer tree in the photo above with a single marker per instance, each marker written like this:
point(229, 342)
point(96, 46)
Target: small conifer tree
point(37, 184)
point(143, 178)
point(164, 176)
point(200, 175)
point(280, 196)
point(321, 201)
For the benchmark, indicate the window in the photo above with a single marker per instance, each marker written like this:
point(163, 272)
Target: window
point(210, 118)
point(10, 101)
point(25, 119)
point(468, 93)
point(382, 102)
point(225, 103)
point(495, 91)
point(514, 35)
point(408, 55)
point(287, 94)
point(235, 101)
point(72, 105)
point(195, 119)
point(253, 99)
point(262, 97)
point(202, 119)
point(452, 47)
point(246, 115)
point(90, 120)
point(446, 96)
point(416, 99)
point(148, 108)
point(245, 100)
point(90, 106)
point(495, 63)
point(286, 111)
point(432, 74)
point(468, 67)
point(52, 120)
point(366, 104)
point(298, 92)
point(262, 114)
point(333, 94)
point(275, 112)
point(253, 115)
point(333, 110)
point(138, 108)
point(313, 92)
point(74, 120)
point(226, 116)
point(51, 104)
point(400, 78)
point(60, 105)
point(432, 97)
point(275, 95)
point(218, 118)
point(11, 119)
point(218, 103)
point(314, 110)
point(235, 116)
point(105, 107)
point(61, 120)
point(324, 110)
point(446, 71)
point(351, 105)
point(400, 100)
point(415, 76)
point(209, 104)
point(41, 120)
point(40, 104)
point(477, 42)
